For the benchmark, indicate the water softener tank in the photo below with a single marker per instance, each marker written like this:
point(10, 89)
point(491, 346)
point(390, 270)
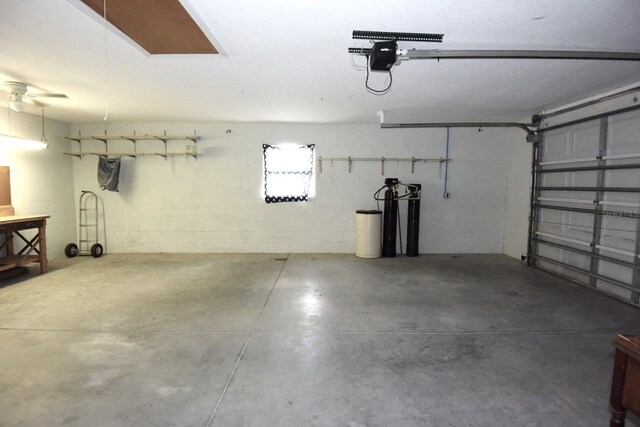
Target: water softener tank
point(413, 219)
point(390, 218)
point(368, 233)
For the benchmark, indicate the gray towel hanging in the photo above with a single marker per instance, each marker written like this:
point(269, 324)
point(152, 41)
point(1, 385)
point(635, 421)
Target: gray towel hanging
point(108, 173)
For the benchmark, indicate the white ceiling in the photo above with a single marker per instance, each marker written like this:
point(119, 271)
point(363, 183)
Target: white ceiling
point(288, 62)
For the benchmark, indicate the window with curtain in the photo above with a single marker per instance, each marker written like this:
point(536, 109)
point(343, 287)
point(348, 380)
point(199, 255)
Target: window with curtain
point(288, 172)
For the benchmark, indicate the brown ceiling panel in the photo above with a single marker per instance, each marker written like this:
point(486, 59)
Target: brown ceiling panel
point(160, 27)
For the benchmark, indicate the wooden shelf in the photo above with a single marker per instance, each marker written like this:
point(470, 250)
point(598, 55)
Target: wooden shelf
point(134, 139)
point(81, 154)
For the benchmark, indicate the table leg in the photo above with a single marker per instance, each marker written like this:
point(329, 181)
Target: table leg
point(42, 247)
point(618, 412)
point(8, 236)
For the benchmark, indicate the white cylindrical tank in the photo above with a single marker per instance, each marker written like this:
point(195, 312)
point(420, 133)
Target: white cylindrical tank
point(368, 234)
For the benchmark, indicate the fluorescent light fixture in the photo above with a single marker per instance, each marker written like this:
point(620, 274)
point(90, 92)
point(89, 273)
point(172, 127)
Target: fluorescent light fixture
point(11, 142)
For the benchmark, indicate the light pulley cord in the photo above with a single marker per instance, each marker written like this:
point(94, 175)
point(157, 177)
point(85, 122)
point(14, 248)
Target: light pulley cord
point(106, 59)
point(43, 138)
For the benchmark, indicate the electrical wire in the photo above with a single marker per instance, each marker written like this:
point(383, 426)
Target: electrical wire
point(374, 91)
point(356, 66)
point(376, 194)
point(406, 195)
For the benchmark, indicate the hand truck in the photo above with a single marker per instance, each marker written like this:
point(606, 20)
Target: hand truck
point(87, 222)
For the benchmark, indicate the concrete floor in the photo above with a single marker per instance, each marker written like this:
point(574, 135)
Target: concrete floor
point(318, 340)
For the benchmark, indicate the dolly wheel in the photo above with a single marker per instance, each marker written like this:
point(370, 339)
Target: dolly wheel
point(96, 250)
point(71, 250)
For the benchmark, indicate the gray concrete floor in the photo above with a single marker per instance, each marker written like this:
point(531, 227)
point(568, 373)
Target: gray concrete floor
point(319, 340)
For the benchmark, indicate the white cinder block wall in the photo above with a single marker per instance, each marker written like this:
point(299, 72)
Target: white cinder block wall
point(518, 196)
point(214, 204)
point(42, 181)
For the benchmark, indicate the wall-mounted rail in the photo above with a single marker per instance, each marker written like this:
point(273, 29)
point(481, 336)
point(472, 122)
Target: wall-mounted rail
point(382, 160)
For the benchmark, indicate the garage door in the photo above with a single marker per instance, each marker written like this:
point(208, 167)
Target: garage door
point(585, 216)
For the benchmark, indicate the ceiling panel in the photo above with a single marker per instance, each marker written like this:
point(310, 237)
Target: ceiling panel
point(160, 27)
point(287, 61)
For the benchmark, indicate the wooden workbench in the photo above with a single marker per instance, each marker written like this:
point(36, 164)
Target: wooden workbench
point(35, 249)
point(625, 387)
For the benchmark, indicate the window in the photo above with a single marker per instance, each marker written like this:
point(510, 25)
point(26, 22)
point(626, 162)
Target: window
point(288, 172)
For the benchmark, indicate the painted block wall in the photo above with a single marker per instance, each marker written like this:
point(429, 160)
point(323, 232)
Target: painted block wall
point(42, 181)
point(214, 204)
point(518, 196)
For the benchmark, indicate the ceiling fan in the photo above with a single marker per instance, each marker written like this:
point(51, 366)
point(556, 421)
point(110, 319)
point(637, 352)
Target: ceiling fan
point(19, 96)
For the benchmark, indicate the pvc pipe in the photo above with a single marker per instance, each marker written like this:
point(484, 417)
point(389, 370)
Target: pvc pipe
point(582, 243)
point(589, 202)
point(564, 239)
point(588, 103)
point(589, 254)
point(591, 159)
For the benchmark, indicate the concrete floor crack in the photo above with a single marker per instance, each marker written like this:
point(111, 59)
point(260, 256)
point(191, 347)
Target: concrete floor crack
point(244, 347)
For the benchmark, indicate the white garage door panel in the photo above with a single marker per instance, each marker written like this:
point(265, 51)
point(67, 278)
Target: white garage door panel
point(623, 134)
point(570, 143)
point(615, 271)
point(619, 233)
point(585, 140)
point(582, 179)
point(624, 178)
point(579, 225)
point(565, 272)
point(589, 226)
point(614, 290)
point(577, 260)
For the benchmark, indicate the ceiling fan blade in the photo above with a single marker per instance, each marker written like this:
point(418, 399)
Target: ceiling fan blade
point(46, 95)
point(33, 102)
point(521, 54)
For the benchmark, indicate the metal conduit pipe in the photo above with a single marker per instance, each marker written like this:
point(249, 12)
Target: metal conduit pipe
point(518, 54)
point(522, 126)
